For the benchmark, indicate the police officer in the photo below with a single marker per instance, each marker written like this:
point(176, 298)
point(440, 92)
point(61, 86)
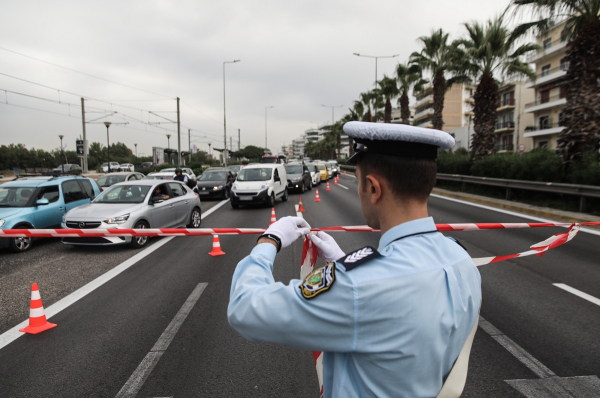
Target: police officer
point(179, 176)
point(391, 321)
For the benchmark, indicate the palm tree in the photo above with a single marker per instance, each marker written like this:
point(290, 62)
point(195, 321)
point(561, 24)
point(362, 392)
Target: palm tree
point(366, 99)
point(408, 76)
point(582, 27)
point(490, 50)
point(389, 89)
point(439, 58)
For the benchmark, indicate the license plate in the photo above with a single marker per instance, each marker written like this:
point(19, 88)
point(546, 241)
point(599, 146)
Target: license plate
point(203, 193)
point(245, 197)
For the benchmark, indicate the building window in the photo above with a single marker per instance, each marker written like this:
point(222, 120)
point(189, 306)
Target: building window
point(542, 144)
point(564, 64)
point(545, 96)
point(547, 43)
point(561, 119)
point(545, 70)
point(562, 93)
point(544, 122)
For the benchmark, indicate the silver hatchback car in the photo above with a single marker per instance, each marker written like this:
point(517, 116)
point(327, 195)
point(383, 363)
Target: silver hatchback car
point(135, 204)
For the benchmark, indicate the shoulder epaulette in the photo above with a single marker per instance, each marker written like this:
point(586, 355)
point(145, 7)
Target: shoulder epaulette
point(358, 257)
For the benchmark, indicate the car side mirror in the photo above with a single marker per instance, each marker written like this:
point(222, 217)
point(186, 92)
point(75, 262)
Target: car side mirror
point(42, 202)
point(155, 201)
point(277, 179)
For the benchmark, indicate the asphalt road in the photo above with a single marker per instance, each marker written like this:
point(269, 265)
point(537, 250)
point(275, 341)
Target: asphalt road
point(135, 330)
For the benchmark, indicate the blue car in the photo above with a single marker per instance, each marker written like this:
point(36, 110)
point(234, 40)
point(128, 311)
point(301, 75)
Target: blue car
point(40, 202)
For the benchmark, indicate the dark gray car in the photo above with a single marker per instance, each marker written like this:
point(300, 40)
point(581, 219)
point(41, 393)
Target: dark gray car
point(298, 177)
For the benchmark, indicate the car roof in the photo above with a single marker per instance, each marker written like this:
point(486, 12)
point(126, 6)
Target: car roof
point(144, 182)
point(33, 182)
point(262, 165)
point(216, 169)
point(122, 173)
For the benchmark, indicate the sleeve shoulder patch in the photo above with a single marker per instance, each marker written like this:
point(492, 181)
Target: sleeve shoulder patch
point(359, 257)
point(318, 281)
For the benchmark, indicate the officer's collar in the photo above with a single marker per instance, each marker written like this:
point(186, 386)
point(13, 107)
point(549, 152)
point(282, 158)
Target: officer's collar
point(413, 227)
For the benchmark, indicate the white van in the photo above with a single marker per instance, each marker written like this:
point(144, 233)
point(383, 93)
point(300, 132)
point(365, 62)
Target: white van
point(259, 184)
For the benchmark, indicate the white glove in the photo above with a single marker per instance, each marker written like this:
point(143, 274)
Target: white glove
point(288, 229)
point(328, 247)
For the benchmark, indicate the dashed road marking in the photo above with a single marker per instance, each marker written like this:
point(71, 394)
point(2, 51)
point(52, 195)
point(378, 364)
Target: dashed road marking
point(12, 334)
point(340, 185)
point(578, 293)
point(140, 375)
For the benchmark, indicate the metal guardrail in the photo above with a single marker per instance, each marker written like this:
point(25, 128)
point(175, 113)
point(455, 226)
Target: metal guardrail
point(583, 191)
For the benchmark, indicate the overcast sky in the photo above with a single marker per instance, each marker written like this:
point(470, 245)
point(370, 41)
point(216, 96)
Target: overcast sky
point(294, 56)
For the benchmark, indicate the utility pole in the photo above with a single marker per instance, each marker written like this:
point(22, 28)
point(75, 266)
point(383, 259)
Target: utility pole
point(239, 140)
point(85, 147)
point(178, 136)
point(190, 144)
point(209, 151)
point(231, 143)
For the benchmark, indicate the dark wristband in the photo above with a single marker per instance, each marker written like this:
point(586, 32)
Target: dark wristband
point(273, 238)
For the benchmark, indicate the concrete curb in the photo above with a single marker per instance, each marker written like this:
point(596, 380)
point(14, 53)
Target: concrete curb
point(542, 212)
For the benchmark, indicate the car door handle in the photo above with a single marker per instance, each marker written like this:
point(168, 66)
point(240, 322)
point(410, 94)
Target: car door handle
point(61, 208)
point(171, 206)
point(187, 201)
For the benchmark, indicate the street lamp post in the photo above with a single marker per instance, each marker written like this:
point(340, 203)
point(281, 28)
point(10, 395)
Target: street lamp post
point(332, 107)
point(169, 146)
point(376, 58)
point(224, 114)
point(266, 107)
point(107, 124)
point(136, 158)
point(62, 154)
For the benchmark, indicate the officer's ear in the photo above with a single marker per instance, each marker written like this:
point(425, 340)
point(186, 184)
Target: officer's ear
point(374, 187)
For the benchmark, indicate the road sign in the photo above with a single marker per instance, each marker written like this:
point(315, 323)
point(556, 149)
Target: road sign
point(79, 145)
point(521, 149)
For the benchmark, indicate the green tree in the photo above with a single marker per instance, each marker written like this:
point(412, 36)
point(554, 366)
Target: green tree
point(491, 49)
point(389, 90)
point(582, 30)
point(440, 58)
point(408, 76)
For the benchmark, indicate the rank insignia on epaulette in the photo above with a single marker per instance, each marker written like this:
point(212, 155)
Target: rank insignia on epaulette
point(318, 281)
point(359, 257)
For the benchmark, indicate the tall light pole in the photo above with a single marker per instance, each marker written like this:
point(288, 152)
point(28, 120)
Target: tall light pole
point(266, 107)
point(107, 124)
point(376, 58)
point(62, 153)
point(224, 114)
point(169, 146)
point(332, 107)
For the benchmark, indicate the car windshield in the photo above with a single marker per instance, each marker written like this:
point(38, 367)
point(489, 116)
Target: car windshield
point(295, 169)
point(213, 176)
point(258, 174)
point(124, 165)
point(15, 196)
point(154, 177)
point(235, 168)
point(320, 167)
point(104, 164)
point(124, 194)
point(107, 181)
point(269, 159)
point(172, 170)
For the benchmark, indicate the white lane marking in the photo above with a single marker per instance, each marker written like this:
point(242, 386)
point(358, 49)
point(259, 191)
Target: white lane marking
point(578, 293)
point(139, 376)
point(512, 213)
point(517, 351)
point(340, 185)
point(12, 334)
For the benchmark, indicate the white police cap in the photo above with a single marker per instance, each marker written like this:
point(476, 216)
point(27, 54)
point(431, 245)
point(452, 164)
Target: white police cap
point(399, 140)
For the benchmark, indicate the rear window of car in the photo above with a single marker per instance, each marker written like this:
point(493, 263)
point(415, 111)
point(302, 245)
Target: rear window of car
point(72, 191)
point(89, 189)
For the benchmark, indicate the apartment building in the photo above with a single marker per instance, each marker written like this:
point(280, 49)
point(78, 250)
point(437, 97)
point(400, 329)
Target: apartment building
point(512, 122)
point(458, 104)
point(396, 118)
point(550, 88)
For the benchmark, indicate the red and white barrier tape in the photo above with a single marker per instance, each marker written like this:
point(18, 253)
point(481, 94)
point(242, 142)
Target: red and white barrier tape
point(96, 233)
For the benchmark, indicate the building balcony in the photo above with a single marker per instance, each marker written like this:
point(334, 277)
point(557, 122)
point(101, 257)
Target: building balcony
point(550, 50)
point(426, 124)
point(505, 104)
point(543, 129)
point(428, 90)
point(423, 114)
point(546, 103)
point(424, 101)
point(549, 75)
point(504, 126)
point(500, 147)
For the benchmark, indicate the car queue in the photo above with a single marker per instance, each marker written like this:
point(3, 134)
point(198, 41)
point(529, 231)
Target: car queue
point(132, 200)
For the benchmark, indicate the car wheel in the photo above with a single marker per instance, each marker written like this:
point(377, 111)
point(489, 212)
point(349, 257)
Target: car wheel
point(271, 203)
point(19, 245)
point(195, 219)
point(302, 188)
point(226, 194)
point(310, 185)
point(137, 242)
point(235, 205)
point(284, 198)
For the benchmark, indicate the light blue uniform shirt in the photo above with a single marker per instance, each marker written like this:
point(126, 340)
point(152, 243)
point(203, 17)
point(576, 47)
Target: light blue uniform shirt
point(391, 327)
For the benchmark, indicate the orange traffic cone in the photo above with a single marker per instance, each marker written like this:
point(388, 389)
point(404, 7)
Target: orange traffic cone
point(317, 197)
point(344, 174)
point(328, 189)
point(300, 207)
point(335, 181)
point(37, 318)
point(216, 250)
point(273, 218)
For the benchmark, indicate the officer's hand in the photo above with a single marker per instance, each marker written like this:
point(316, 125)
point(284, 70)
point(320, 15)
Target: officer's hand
point(328, 247)
point(288, 229)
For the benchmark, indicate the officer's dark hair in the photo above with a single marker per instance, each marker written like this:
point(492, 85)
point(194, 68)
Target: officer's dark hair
point(408, 178)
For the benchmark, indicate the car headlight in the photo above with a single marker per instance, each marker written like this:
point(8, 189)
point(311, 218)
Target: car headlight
point(64, 220)
point(2, 223)
point(217, 188)
point(297, 179)
point(118, 219)
point(263, 186)
point(235, 187)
